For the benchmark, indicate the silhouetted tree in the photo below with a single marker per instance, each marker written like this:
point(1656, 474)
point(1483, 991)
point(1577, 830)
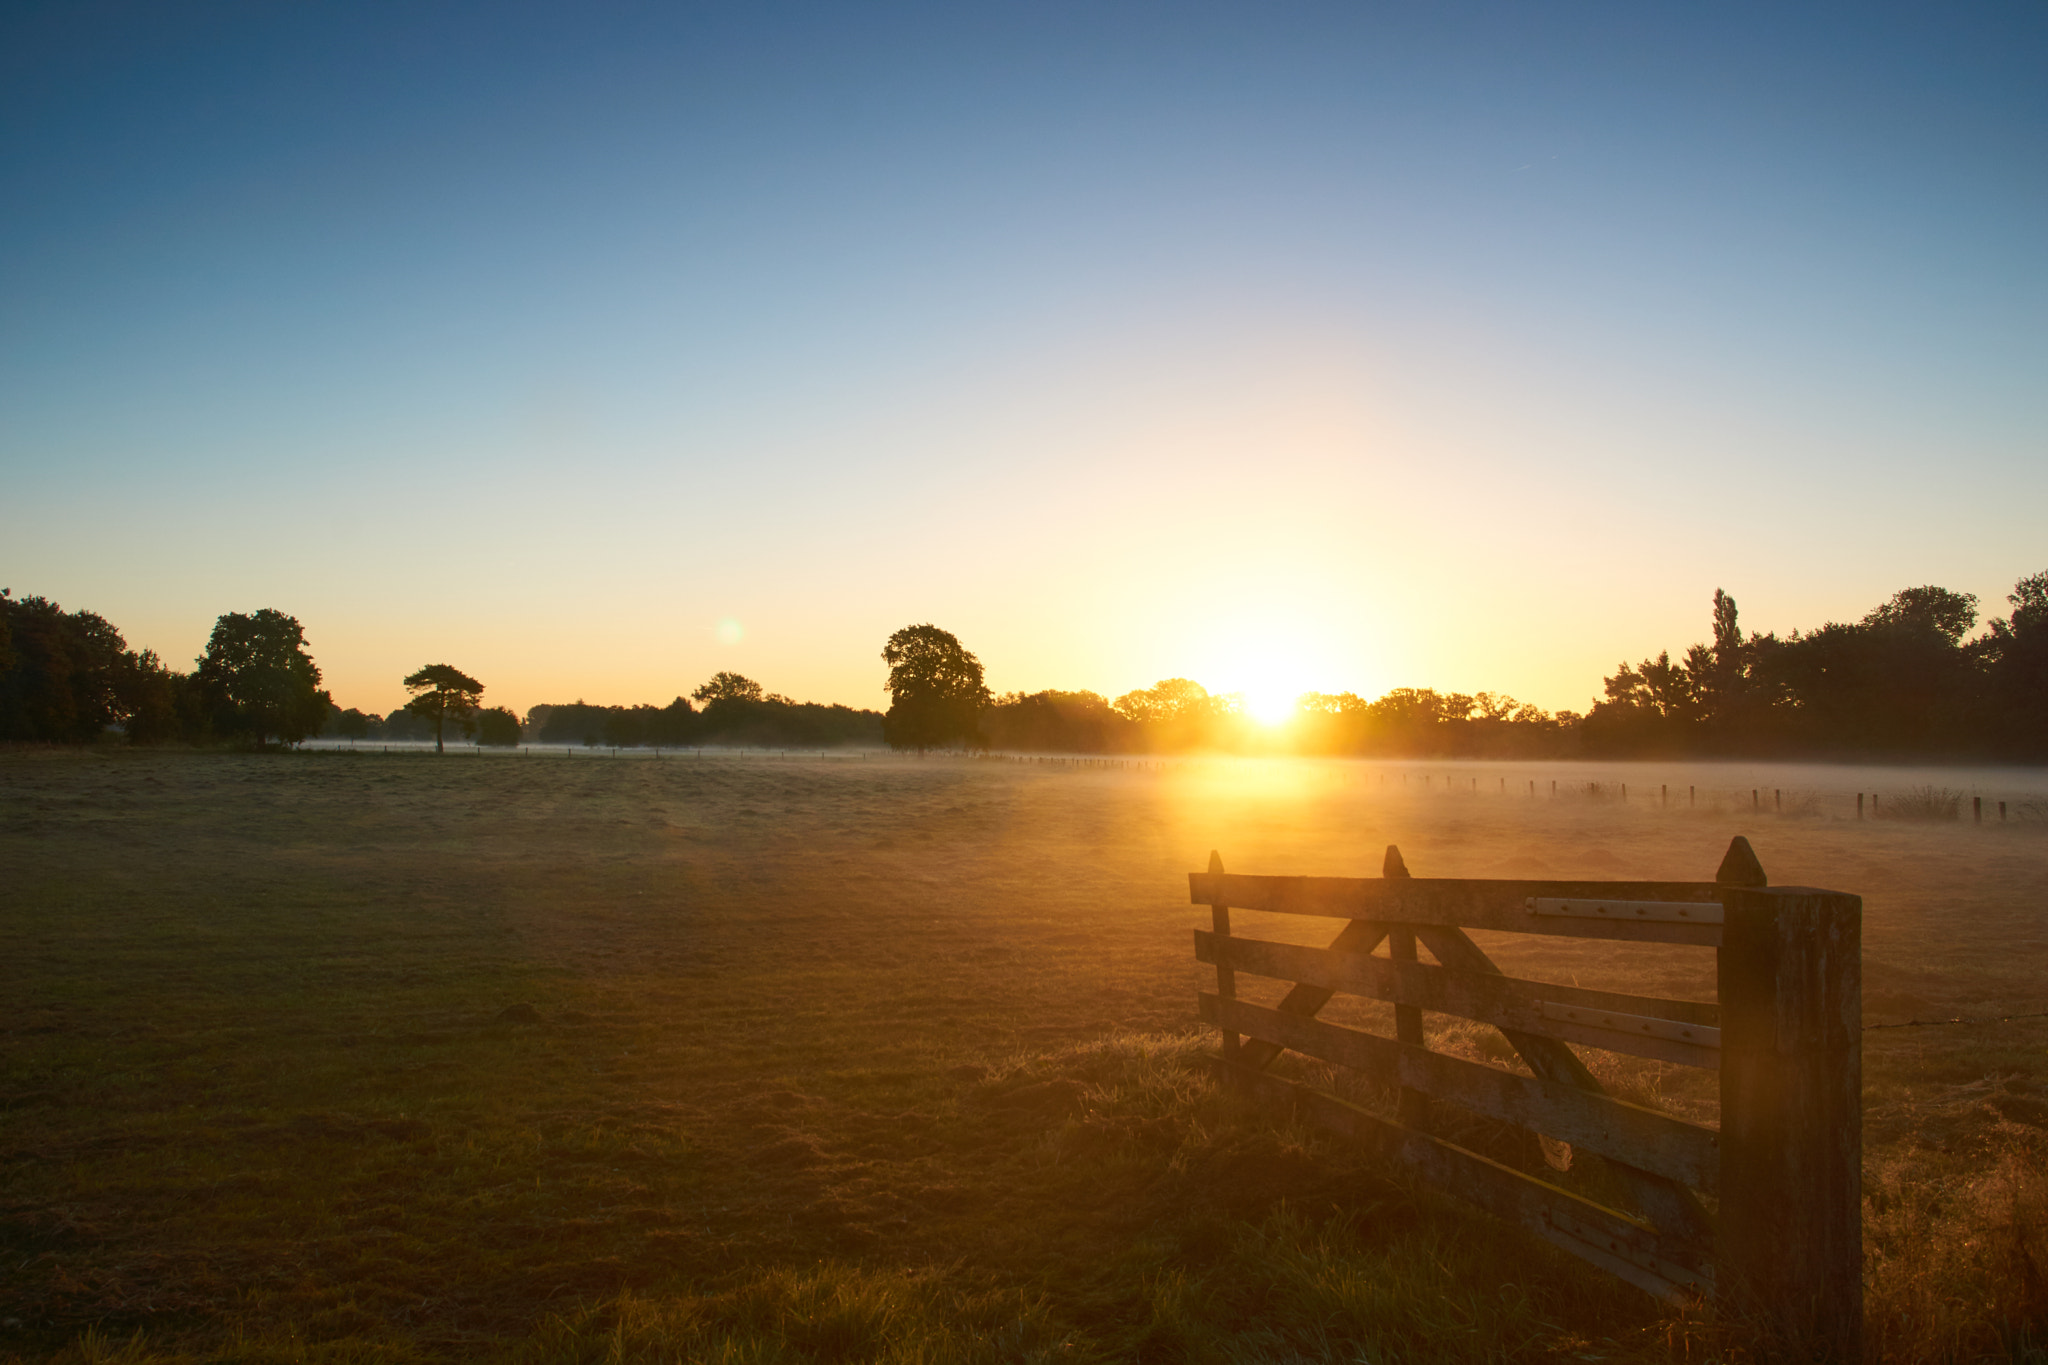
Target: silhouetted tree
point(625, 727)
point(1929, 611)
point(2017, 664)
point(1058, 722)
point(260, 679)
point(1172, 699)
point(728, 687)
point(1902, 680)
point(1714, 675)
point(401, 726)
point(160, 703)
point(351, 724)
point(673, 725)
point(576, 722)
point(935, 687)
point(737, 719)
point(441, 693)
point(498, 727)
point(1896, 682)
point(64, 682)
point(1176, 713)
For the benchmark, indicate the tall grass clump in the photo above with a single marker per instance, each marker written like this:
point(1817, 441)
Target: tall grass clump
point(1956, 1268)
point(1925, 804)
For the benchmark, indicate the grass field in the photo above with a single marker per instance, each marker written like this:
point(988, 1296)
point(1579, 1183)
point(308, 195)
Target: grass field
point(335, 1057)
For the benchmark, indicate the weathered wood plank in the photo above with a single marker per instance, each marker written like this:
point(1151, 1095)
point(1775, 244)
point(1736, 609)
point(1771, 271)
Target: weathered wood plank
point(1630, 912)
point(1605, 1237)
point(1668, 1204)
point(1629, 1133)
point(1503, 1001)
point(1471, 903)
point(1649, 1025)
point(1359, 936)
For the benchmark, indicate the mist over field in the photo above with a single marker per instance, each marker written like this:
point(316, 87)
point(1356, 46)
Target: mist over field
point(404, 1054)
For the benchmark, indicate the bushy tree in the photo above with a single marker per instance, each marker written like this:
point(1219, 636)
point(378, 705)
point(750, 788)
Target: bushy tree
point(727, 687)
point(441, 693)
point(2016, 662)
point(936, 692)
point(1170, 699)
point(1058, 722)
point(576, 722)
point(1929, 611)
point(1903, 679)
point(160, 703)
point(625, 727)
point(672, 726)
point(401, 726)
point(260, 680)
point(497, 727)
point(66, 674)
point(737, 718)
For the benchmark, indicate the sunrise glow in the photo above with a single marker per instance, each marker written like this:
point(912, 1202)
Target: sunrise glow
point(1272, 705)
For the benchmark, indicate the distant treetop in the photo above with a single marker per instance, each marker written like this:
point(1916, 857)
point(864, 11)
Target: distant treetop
point(728, 687)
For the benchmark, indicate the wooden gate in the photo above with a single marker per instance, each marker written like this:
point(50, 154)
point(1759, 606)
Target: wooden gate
point(1784, 1034)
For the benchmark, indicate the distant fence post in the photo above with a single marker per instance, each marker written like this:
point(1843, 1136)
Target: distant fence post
point(1792, 1114)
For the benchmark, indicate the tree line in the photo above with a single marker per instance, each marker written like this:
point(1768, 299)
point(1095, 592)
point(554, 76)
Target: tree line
point(1907, 680)
point(70, 678)
point(938, 699)
point(730, 710)
point(1178, 715)
point(1913, 678)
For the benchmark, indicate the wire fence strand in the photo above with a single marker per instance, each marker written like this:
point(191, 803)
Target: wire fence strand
point(1938, 1023)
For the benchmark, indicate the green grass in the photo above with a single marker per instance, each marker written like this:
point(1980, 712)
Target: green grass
point(849, 1061)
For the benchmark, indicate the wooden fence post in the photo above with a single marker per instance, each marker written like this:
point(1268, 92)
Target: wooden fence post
point(1792, 1116)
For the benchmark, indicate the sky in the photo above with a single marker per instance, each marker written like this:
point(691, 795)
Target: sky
point(594, 348)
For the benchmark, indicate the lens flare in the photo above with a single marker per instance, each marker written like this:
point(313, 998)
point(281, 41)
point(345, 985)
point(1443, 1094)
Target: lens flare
point(729, 632)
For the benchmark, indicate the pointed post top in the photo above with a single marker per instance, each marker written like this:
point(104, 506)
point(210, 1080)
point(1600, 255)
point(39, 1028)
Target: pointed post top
point(1215, 861)
point(1393, 866)
point(1740, 867)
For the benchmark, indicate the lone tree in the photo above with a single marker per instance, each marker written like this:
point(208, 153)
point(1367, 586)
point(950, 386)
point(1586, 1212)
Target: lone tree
point(935, 690)
point(257, 672)
point(441, 693)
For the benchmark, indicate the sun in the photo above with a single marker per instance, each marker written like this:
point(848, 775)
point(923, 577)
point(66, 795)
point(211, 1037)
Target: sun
point(1266, 666)
point(1271, 703)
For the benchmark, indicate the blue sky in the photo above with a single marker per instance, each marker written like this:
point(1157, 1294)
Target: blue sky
point(1272, 345)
